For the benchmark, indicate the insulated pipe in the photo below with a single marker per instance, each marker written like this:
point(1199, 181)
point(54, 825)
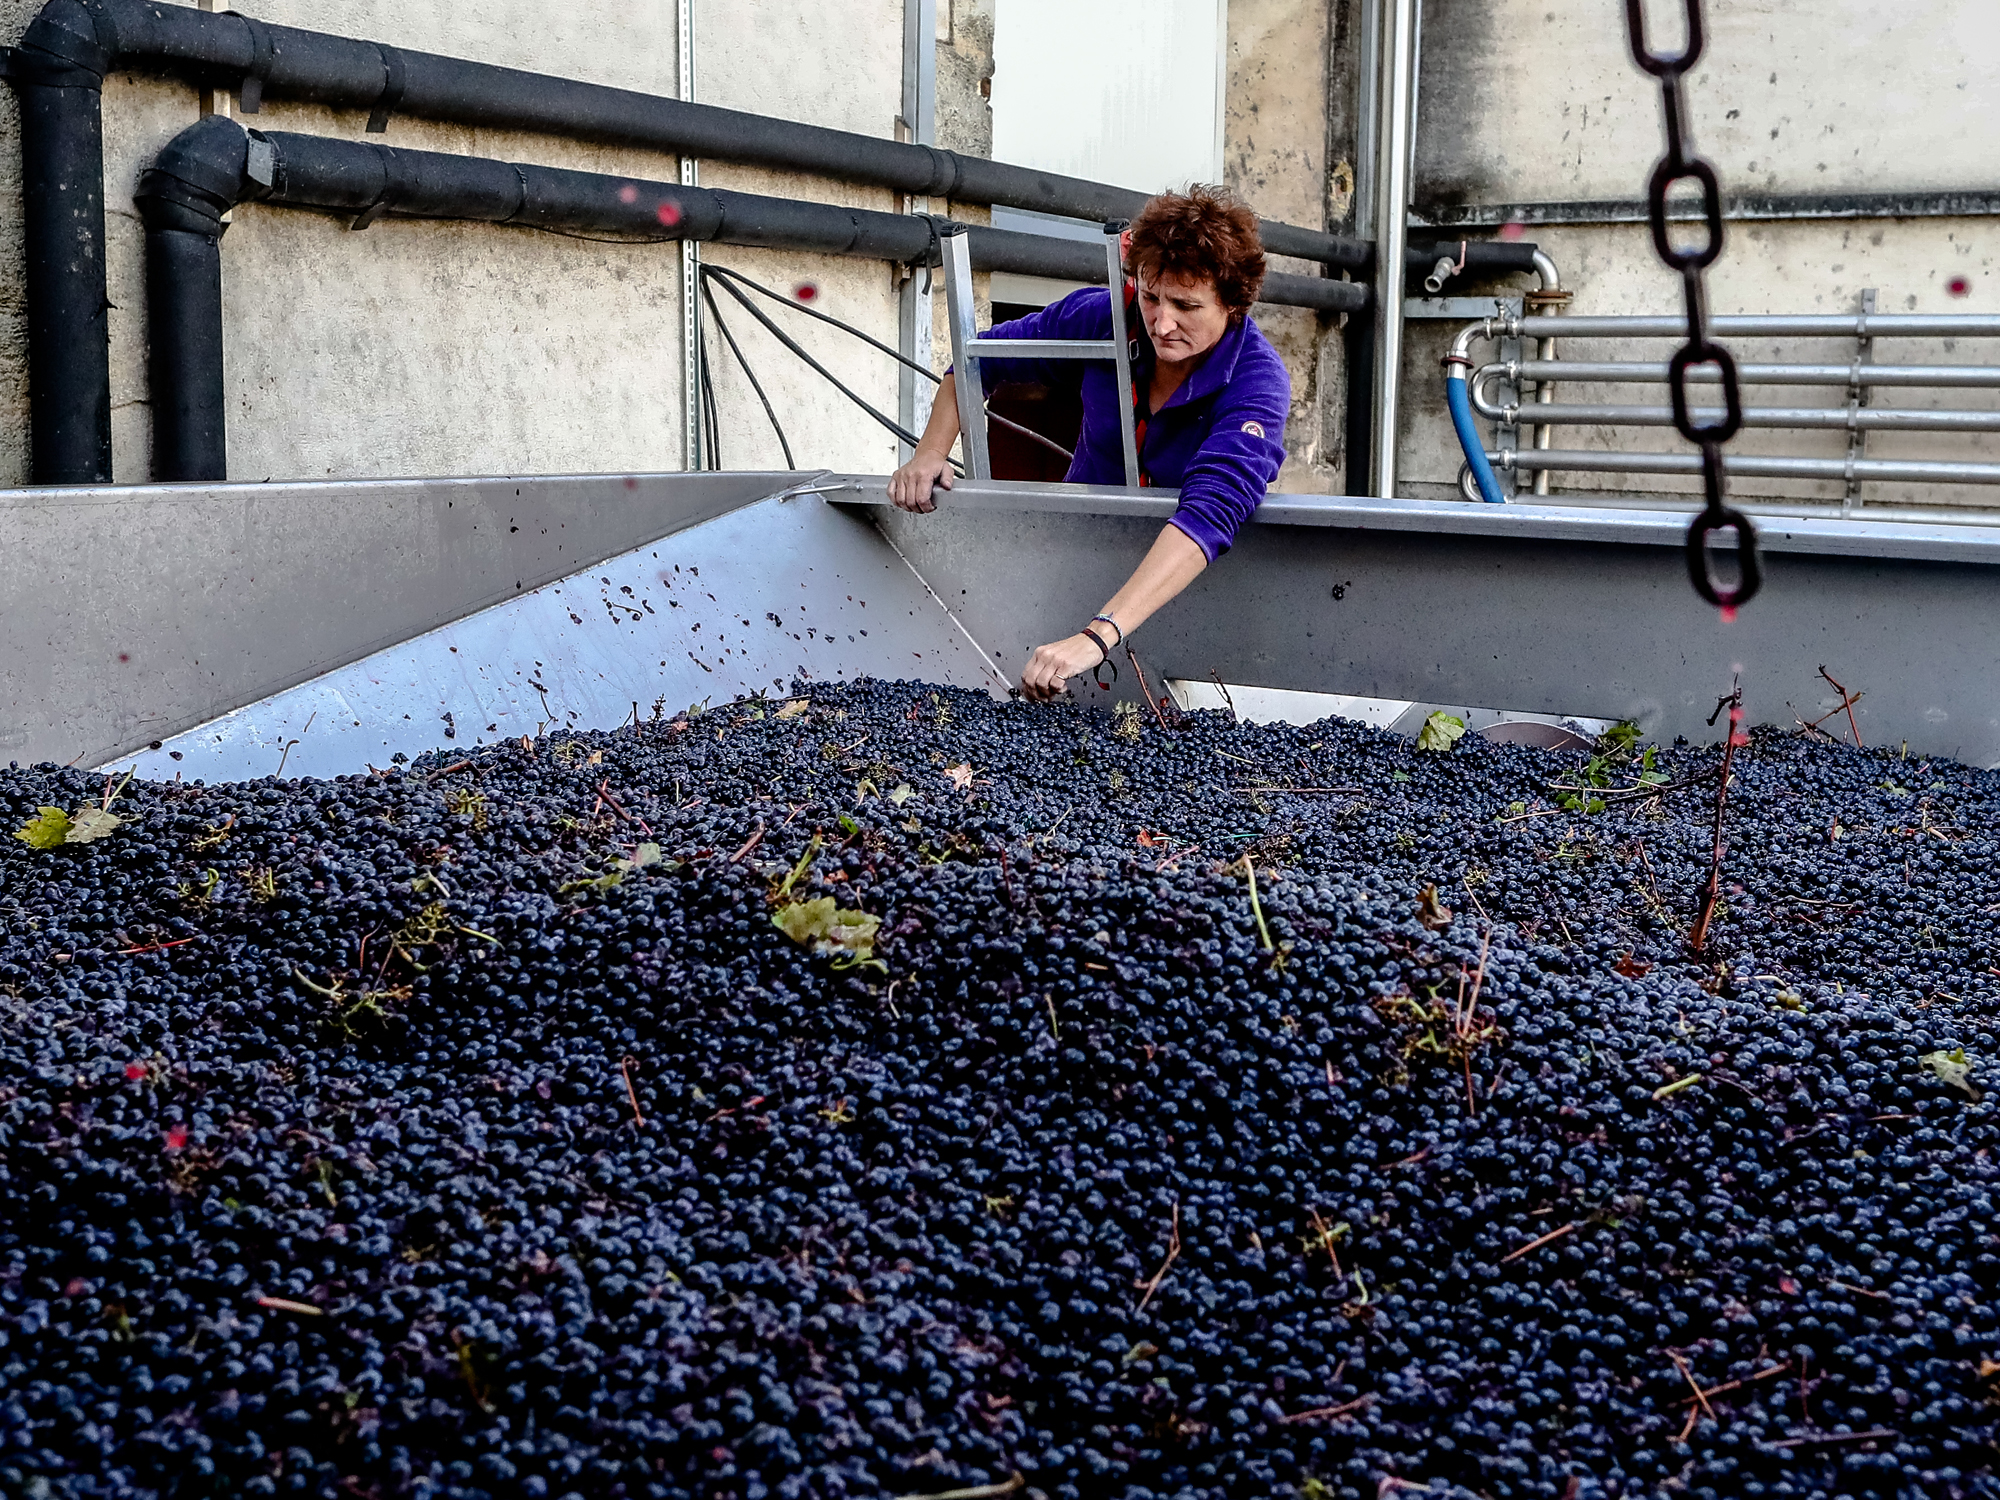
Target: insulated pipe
point(1455, 258)
point(1396, 120)
point(215, 163)
point(69, 351)
point(1751, 466)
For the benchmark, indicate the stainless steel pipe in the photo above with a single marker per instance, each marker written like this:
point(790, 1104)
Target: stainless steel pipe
point(1815, 325)
point(1751, 466)
point(1814, 418)
point(1637, 372)
point(1395, 122)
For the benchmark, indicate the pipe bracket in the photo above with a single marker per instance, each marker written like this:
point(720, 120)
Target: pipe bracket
point(392, 89)
point(250, 91)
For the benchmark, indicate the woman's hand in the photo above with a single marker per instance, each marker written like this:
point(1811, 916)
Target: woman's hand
point(910, 486)
point(1054, 664)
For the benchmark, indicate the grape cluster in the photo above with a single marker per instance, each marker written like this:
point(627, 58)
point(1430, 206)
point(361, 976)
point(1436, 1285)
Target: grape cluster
point(1210, 1110)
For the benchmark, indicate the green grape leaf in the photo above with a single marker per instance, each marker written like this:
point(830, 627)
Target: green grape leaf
point(1440, 732)
point(48, 829)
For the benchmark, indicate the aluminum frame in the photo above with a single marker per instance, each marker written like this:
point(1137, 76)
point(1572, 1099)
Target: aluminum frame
point(969, 352)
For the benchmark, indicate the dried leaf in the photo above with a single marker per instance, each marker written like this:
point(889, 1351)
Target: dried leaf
point(89, 824)
point(644, 855)
point(1440, 732)
point(959, 775)
point(1634, 968)
point(902, 793)
point(1953, 1068)
point(793, 709)
point(1432, 912)
point(48, 829)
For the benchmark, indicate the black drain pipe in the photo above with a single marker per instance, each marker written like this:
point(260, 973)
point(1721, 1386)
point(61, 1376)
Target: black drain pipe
point(59, 69)
point(215, 164)
point(69, 360)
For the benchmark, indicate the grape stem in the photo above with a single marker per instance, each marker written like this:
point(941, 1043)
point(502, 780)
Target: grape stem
point(1847, 701)
point(1256, 906)
point(1698, 940)
point(1173, 1254)
point(977, 1492)
point(1553, 1234)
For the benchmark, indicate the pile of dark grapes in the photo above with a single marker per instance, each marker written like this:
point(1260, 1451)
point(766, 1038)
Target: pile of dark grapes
point(471, 1128)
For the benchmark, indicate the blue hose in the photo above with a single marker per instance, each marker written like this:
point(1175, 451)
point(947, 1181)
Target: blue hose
point(1460, 401)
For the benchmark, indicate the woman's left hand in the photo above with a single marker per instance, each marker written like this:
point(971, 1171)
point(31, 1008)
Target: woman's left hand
point(1054, 664)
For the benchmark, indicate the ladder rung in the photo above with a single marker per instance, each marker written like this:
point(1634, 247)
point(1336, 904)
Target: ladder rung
point(1043, 349)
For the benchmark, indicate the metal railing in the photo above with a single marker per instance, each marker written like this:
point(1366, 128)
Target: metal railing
point(1860, 378)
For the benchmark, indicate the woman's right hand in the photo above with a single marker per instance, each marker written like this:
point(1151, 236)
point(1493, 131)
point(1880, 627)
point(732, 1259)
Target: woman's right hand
point(910, 486)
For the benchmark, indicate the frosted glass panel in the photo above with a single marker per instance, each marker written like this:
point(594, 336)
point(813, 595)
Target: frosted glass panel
point(1119, 91)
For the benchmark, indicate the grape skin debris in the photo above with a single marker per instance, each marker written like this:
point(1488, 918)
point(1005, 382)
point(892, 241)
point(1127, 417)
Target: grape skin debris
point(421, 1133)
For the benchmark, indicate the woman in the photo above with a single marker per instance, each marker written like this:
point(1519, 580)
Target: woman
point(1209, 396)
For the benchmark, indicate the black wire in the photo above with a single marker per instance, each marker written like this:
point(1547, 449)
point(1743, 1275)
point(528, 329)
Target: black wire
point(599, 239)
point(792, 302)
point(711, 429)
point(834, 380)
point(755, 385)
point(1028, 432)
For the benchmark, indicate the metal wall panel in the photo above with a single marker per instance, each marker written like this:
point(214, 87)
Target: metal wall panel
point(135, 613)
point(743, 604)
point(1545, 609)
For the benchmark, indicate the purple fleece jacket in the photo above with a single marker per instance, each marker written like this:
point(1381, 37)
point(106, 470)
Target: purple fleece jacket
point(1220, 438)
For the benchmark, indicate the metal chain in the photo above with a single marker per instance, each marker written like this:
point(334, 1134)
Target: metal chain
point(1682, 164)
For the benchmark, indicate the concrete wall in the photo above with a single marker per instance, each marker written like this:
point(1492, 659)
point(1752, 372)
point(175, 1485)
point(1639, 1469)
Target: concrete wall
point(1275, 143)
point(418, 348)
point(1537, 101)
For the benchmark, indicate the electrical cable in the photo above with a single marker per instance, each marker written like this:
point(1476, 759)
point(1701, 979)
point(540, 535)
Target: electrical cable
point(756, 385)
point(711, 429)
point(792, 302)
point(832, 379)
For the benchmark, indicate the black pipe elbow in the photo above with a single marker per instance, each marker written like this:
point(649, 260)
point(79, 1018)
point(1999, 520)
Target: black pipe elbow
point(65, 46)
point(197, 177)
point(1451, 260)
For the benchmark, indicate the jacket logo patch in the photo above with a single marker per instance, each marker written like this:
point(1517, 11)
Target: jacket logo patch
point(1255, 429)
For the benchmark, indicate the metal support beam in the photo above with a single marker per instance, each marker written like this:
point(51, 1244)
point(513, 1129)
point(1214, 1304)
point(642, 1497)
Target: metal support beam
point(691, 456)
point(913, 293)
point(963, 316)
point(1395, 127)
point(1121, 348)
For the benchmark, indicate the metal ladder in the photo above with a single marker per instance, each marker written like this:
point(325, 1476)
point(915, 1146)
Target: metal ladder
point(968, 350)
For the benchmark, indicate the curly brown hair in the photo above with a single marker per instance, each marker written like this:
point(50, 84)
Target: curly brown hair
point(1204, 234)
